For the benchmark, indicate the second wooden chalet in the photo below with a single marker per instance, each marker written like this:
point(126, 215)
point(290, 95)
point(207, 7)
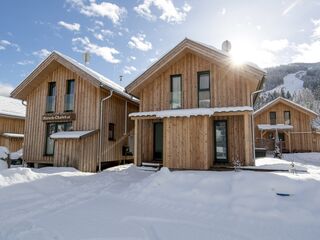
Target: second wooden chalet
point(195, 109)
point(288, 122)
point(75, 116)
point(12, 117)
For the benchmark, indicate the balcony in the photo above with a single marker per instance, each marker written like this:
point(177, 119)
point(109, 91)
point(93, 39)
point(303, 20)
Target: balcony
point(51, 104)
point(175, 100)
point(69, 103)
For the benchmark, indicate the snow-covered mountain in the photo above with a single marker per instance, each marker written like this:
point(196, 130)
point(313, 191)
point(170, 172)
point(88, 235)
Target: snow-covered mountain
point(299, 82)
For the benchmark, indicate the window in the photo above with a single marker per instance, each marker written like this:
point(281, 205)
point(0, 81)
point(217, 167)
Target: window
point(203, 89)
point(176, 91)
point(273, 118)
point(287, 117)
point(52, 128)
point(69, 97)
point(111, 132)
point(51, 98)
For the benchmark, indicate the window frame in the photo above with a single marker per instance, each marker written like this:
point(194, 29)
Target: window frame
point(55, 130)
point(50, 94)
point(113, 137)
point(203, 90)
point(171, 89)
point(68, 92)
point(284, 117)
point(275, 118)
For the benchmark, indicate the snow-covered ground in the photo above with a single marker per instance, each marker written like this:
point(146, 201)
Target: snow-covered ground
point(128, 203)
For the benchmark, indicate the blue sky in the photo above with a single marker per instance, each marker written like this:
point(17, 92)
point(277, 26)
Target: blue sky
point(125, 37)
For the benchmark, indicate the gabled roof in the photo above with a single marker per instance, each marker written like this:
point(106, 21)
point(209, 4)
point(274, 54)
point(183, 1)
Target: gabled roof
point(286, 102)
point(56, 58)
point(13, 108)
point(200, 48)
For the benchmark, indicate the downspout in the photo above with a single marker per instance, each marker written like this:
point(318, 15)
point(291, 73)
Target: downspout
point(125, 118)
point(101, 126)
point(252, 124)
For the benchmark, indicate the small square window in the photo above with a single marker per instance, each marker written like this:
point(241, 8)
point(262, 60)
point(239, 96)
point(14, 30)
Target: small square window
point(111, 132)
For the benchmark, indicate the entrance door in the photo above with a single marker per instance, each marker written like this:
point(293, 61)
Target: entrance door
point(220, 141)
point(158, 141)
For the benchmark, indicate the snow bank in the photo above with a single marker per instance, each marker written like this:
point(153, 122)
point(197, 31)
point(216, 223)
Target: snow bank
point(4, 152)
point(16, 155)
point(3, 165)
point(12, 107)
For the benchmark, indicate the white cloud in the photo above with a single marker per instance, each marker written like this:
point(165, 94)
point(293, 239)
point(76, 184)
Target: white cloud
point(223, 11)
point(153, 59)
point(133, 57)
point(99, 23)
point(25, 62)
point(275, 45)
point(316, 30)
point(129, 69)
point(5, 43)
point(307, 52)
point(5, 89)
point(103, 9)
point(70, 26)
point(169, 12)
point(290, 7)
point(102, 34)
point(42, 53)
point(140, 43)
point(105, 52)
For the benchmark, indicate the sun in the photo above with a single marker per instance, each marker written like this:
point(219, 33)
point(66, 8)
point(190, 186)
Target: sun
point(242, 51)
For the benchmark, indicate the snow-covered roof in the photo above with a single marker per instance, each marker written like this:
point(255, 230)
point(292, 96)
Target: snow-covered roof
point(269, 104)
point(274, 127)
point(11, 107)
point(13, 135)
point(190, 112)
point(71, 134)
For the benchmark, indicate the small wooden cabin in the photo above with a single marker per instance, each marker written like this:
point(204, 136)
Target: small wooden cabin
point(12, 117)
point(195, 109)
point(288, 122)
point(75, 116)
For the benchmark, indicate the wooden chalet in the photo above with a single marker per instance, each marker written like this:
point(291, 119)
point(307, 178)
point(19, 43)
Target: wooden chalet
point(12, 117)
point(75, 116)
point(195, 109)
point(288, 123)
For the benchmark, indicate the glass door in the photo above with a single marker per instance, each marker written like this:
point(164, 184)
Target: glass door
point(220, 141)
point(158, 141)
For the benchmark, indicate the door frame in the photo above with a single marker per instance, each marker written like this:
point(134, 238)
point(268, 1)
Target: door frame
point(154, 142)
point(215, 142)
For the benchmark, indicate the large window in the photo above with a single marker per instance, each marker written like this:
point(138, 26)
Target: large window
point(51, 98)
point(204, 89)
point(273, 118)
point(52, 128)
point(175, 88)
point(69, 97)
point(287, 117)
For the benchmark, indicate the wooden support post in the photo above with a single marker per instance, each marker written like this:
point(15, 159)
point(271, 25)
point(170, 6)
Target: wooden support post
point(289, 137)
point(248, 144)
point(136, 142)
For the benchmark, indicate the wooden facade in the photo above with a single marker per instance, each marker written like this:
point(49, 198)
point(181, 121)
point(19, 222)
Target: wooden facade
point(300, 138)
point(82, 153)
point(189, 141)
point(12, 118)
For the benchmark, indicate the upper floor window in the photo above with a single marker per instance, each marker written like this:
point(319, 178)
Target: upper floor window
point(175, 89)
point(204, 89)
point(287, 117)
point(69, 97)
point(273, 118)
point(51, 98)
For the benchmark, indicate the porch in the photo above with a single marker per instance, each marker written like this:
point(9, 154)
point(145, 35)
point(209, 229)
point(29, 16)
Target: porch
point(193, 138)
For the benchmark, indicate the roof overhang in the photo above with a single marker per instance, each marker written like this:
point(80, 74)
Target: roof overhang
point(72, 134)
point(192, 112)
point(12, 135)
point(270, 127)
point(210, 53)
point(286, 102)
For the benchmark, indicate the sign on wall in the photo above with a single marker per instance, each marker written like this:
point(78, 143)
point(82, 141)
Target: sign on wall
point(56, 117)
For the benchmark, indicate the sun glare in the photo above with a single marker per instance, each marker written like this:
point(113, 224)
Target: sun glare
point(242, 51)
